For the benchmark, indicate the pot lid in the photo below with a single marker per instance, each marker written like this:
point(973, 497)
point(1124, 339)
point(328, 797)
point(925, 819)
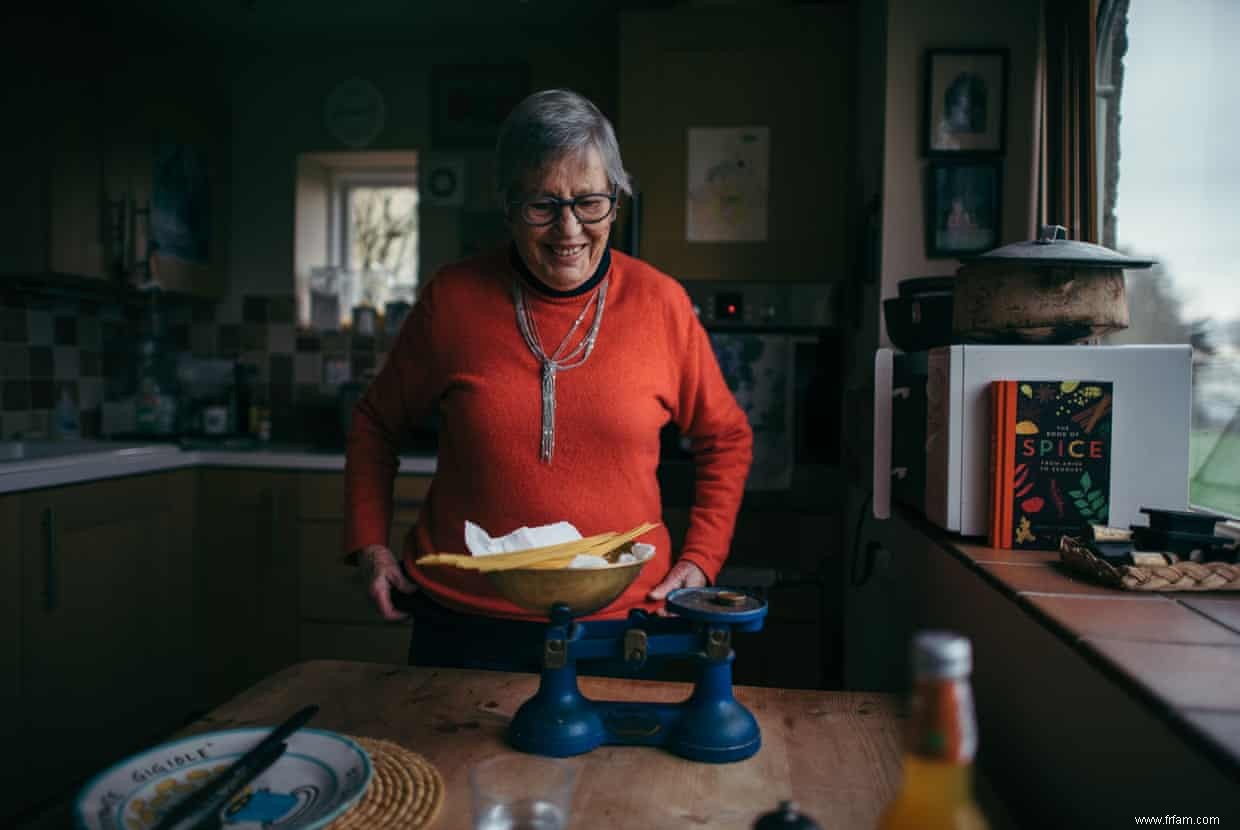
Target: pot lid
point(1053, 248)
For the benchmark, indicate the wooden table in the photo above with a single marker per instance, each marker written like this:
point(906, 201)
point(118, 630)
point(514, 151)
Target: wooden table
point(837, 754)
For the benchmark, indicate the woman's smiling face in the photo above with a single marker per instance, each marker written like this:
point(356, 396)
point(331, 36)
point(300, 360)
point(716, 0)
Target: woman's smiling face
point(565, 253)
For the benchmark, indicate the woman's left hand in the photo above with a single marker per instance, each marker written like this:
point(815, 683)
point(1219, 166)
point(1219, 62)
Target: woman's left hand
point(682, 575)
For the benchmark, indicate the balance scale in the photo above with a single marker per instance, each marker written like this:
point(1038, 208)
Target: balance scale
point(711, 725)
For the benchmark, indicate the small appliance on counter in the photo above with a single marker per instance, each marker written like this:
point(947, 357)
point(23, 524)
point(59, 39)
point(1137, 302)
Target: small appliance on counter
point(920, 317)
point(947, 442)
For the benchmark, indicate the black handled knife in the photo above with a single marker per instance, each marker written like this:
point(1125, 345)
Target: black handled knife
point(264, 752)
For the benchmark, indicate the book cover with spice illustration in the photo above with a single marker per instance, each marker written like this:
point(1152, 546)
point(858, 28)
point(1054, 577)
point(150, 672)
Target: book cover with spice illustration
point(1050, 460)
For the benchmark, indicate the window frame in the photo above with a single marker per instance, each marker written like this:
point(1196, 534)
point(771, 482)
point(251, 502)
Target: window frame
point(1111, 48)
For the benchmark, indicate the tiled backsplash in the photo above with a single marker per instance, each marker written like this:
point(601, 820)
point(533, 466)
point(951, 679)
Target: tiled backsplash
point(90, 348)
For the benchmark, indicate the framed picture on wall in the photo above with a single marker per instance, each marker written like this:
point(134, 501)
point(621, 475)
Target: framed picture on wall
point(962, 207)
point(965, 101)
point(469, 103)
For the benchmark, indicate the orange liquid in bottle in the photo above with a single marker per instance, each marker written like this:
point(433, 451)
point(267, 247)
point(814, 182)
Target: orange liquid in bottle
point(937, 788)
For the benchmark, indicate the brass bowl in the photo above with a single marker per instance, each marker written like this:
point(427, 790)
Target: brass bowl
point(583, 590)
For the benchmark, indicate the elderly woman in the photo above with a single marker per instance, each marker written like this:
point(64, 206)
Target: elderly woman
point(554, 363)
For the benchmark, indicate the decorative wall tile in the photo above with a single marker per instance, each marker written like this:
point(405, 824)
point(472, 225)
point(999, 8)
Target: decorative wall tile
point(281, 368)
point(177, 337)
point(336, 370)
point(281, 397)
point(362, 363)
point(14, 362)
point(15, 395)
point(39, 326)
point(308, 343)
point(307, 368)
point(91, 364)
point(335, 343)
point(90, 393)
point(88, 333)
point(253, 309)
point(42, 394)
point(203, 313)
point(202, 339)
point(309, 394)
point(253, 337)
point(14, 425)
point(281, 339)
point(13, 328)
point(41, 363)
point(281, 309)
point(65, 331)
point(89, 422)
point(67, 365)
point(229, 340)
point(117, 334)
point(91, 348)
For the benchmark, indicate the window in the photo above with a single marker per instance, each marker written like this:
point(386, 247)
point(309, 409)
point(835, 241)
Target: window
point(357, 234)
point(1169, 188)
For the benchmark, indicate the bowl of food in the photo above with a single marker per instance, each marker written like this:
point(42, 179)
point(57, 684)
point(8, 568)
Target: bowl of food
point(584, 574)
point(583, 590)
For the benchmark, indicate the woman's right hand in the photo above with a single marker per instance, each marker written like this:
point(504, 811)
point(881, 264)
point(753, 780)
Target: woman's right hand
point(382, 573)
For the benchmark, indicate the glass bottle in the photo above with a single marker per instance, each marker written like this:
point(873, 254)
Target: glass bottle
point(937, 789)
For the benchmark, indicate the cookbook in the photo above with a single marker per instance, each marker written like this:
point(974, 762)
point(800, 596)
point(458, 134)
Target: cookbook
point(1050, 460)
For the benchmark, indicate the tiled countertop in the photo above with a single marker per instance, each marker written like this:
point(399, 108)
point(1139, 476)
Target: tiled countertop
point(1179, 651)
point(131, 459)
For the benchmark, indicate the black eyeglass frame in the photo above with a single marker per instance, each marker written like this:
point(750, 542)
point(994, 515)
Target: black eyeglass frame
point(613, 197)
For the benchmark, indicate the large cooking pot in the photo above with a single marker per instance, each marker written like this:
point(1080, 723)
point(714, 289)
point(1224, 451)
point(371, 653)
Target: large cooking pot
point(1050, 290)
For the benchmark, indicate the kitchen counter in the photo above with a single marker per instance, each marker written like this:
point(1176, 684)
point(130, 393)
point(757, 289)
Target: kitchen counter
point(96, 460)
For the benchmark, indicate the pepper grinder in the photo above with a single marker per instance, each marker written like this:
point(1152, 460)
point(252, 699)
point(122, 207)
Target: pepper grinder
point(785, 817)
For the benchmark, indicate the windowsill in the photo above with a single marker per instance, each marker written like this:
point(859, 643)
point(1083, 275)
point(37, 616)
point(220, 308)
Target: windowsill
point(1177, 652)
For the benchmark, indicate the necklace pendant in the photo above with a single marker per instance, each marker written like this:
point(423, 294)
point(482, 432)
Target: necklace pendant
point(547, 444)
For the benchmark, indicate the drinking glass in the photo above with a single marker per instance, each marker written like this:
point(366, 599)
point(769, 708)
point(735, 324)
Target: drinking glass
point(522, 792)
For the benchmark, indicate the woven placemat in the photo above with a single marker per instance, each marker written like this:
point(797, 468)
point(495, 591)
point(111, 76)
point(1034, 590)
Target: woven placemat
point(1181, 576)
point(405, 791)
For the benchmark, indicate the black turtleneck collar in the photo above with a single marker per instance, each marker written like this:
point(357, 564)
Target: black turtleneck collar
point(542, 288)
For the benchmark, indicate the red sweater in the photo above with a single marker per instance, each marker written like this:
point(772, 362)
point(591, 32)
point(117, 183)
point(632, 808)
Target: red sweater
point(460, 349)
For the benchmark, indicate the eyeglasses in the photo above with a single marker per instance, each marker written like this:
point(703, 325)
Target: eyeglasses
point(588, 208)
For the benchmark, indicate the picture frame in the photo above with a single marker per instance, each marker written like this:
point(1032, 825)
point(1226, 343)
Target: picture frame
point(963, 201)
point(470, 102)
point(965, 102)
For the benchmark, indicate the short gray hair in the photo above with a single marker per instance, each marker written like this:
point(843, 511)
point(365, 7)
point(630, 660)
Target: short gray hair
point(548, 126)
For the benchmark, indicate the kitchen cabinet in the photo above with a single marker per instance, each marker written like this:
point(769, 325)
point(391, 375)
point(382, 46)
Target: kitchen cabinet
point(11, 767)
point(245, 588)
point(53, 210)
point(86, 149)
point(168, 119)
point(105, 649)
point(882, 602)
point(337, 620)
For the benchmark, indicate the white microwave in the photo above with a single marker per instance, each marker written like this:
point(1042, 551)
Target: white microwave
point(932, 425)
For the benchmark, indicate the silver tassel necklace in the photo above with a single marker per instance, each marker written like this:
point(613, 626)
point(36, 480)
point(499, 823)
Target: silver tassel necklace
point(558, 361)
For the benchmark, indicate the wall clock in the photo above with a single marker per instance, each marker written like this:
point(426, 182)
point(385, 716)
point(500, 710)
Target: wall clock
point(354, 112)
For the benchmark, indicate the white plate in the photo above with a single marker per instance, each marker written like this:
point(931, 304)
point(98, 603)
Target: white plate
point(314, 781)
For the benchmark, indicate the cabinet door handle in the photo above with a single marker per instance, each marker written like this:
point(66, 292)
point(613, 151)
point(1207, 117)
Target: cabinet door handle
point(273, 516)
point(51, 588)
